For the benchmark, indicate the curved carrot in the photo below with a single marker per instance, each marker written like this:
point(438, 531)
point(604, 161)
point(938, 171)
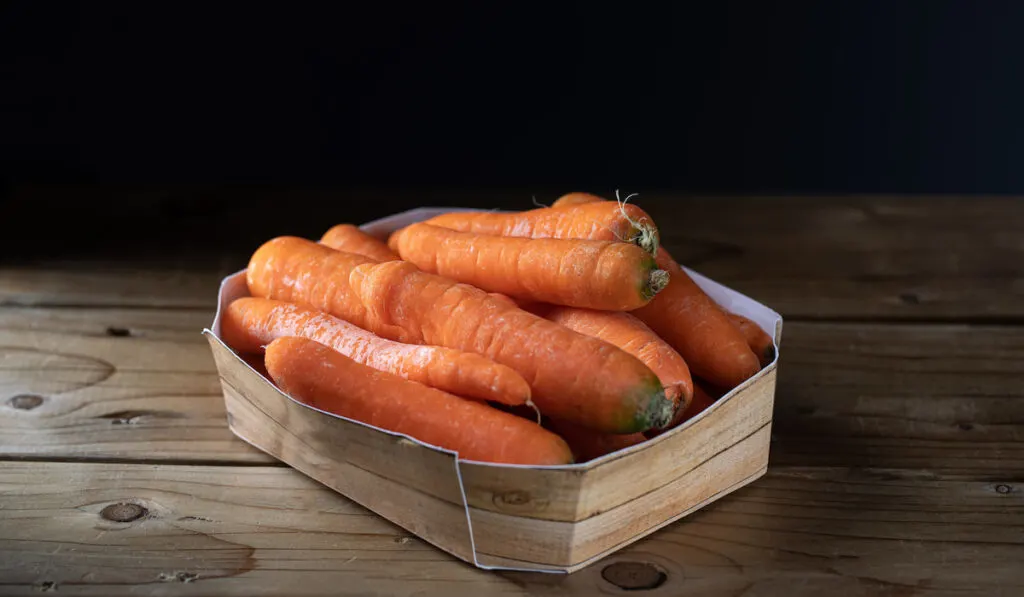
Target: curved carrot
point(631, 335)
point(685, 317)
point(605, 220)
point(572, 376)
point(349, 238)
point(757, 339)
point(250, 323)
point(596, 274)
point(587, 444)
point(328, 380)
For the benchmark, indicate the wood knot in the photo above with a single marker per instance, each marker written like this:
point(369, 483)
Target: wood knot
point(123, 512)
point(1004, 489)
point(45, 586)
point(965, 426)
point(634, 576)
point(25, 401)
point(185, 577)
point(117, 332)
point(909, 298)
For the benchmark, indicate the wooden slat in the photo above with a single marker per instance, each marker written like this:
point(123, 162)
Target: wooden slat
point(929, 258)
point(112, 383)
point(936, 397)
point(271, 531)
point(855, 257)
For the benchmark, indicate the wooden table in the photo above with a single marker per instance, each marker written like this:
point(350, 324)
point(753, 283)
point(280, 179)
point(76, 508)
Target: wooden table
point(897, 463)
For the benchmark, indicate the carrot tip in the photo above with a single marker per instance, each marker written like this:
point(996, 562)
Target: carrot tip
point(657, 281)
point(646, 235)
point(659, 411)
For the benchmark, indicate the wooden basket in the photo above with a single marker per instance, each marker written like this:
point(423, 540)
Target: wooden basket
point(558, 518)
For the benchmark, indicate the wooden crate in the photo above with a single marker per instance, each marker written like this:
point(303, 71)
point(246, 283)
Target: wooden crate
point(558, 518)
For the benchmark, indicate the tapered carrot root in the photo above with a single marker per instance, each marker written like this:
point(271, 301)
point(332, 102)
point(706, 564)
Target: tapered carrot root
point(685, 317)
point(326, 379)
point(606, 220)
point(594, 274)
point(349, 238)
point(757, 339)
point(587, 444)
point(631, 335)
point(249, 324)
point(572, 376)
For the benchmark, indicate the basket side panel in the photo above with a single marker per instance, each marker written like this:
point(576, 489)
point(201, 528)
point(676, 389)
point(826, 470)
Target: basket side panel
point(411, 485)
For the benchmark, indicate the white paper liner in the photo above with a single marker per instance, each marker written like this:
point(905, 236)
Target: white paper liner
point(234, 287)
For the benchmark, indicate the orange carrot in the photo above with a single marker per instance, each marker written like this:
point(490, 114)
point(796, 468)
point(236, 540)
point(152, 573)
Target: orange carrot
point(587, 444)
point(572, 376)
point(595, 274)
point(685, 317)
point(324, 378)
point(604, 220)
point(576, 199)
point(349, 238)
point(758, 340)
point(631, 335)
point(249, 323)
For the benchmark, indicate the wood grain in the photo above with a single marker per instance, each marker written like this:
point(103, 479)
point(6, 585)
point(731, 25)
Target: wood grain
point(855, 257)
point(875, 257)
point(271, 531)
point(112, 383)
point(920, 396)
point(933, 397)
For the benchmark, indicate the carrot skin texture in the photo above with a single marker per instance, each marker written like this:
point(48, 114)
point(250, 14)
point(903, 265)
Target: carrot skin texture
point(323, 378)
point(607, 275)
point(758, 340)
point(250, 323)
point(587, 444)
point(633, 336)
point(618, 393)
point(595, 221)
point(349, 238)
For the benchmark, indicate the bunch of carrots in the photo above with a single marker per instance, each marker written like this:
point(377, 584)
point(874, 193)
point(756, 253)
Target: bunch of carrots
point(542, 337)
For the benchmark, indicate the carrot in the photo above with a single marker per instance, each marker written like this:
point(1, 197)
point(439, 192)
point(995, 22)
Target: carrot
point(349, 238)
point(596, 274)
point(631, 335)
point(249, 323)
point(603, 220)
point(325, 379)
point(685, 317)
point(587, 444)
point(757, 339)
point(571, 376)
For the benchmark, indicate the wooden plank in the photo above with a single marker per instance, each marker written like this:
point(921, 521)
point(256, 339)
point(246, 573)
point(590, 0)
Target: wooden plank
point(271, 531)
point(935, 397)
point(869, 257)
point(112, 383)
point(855, 257)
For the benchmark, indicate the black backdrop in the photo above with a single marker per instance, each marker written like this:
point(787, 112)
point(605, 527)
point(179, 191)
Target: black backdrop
point(723, 97)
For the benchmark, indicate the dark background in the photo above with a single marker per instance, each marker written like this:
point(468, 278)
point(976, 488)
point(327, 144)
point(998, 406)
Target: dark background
point(150, 109)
